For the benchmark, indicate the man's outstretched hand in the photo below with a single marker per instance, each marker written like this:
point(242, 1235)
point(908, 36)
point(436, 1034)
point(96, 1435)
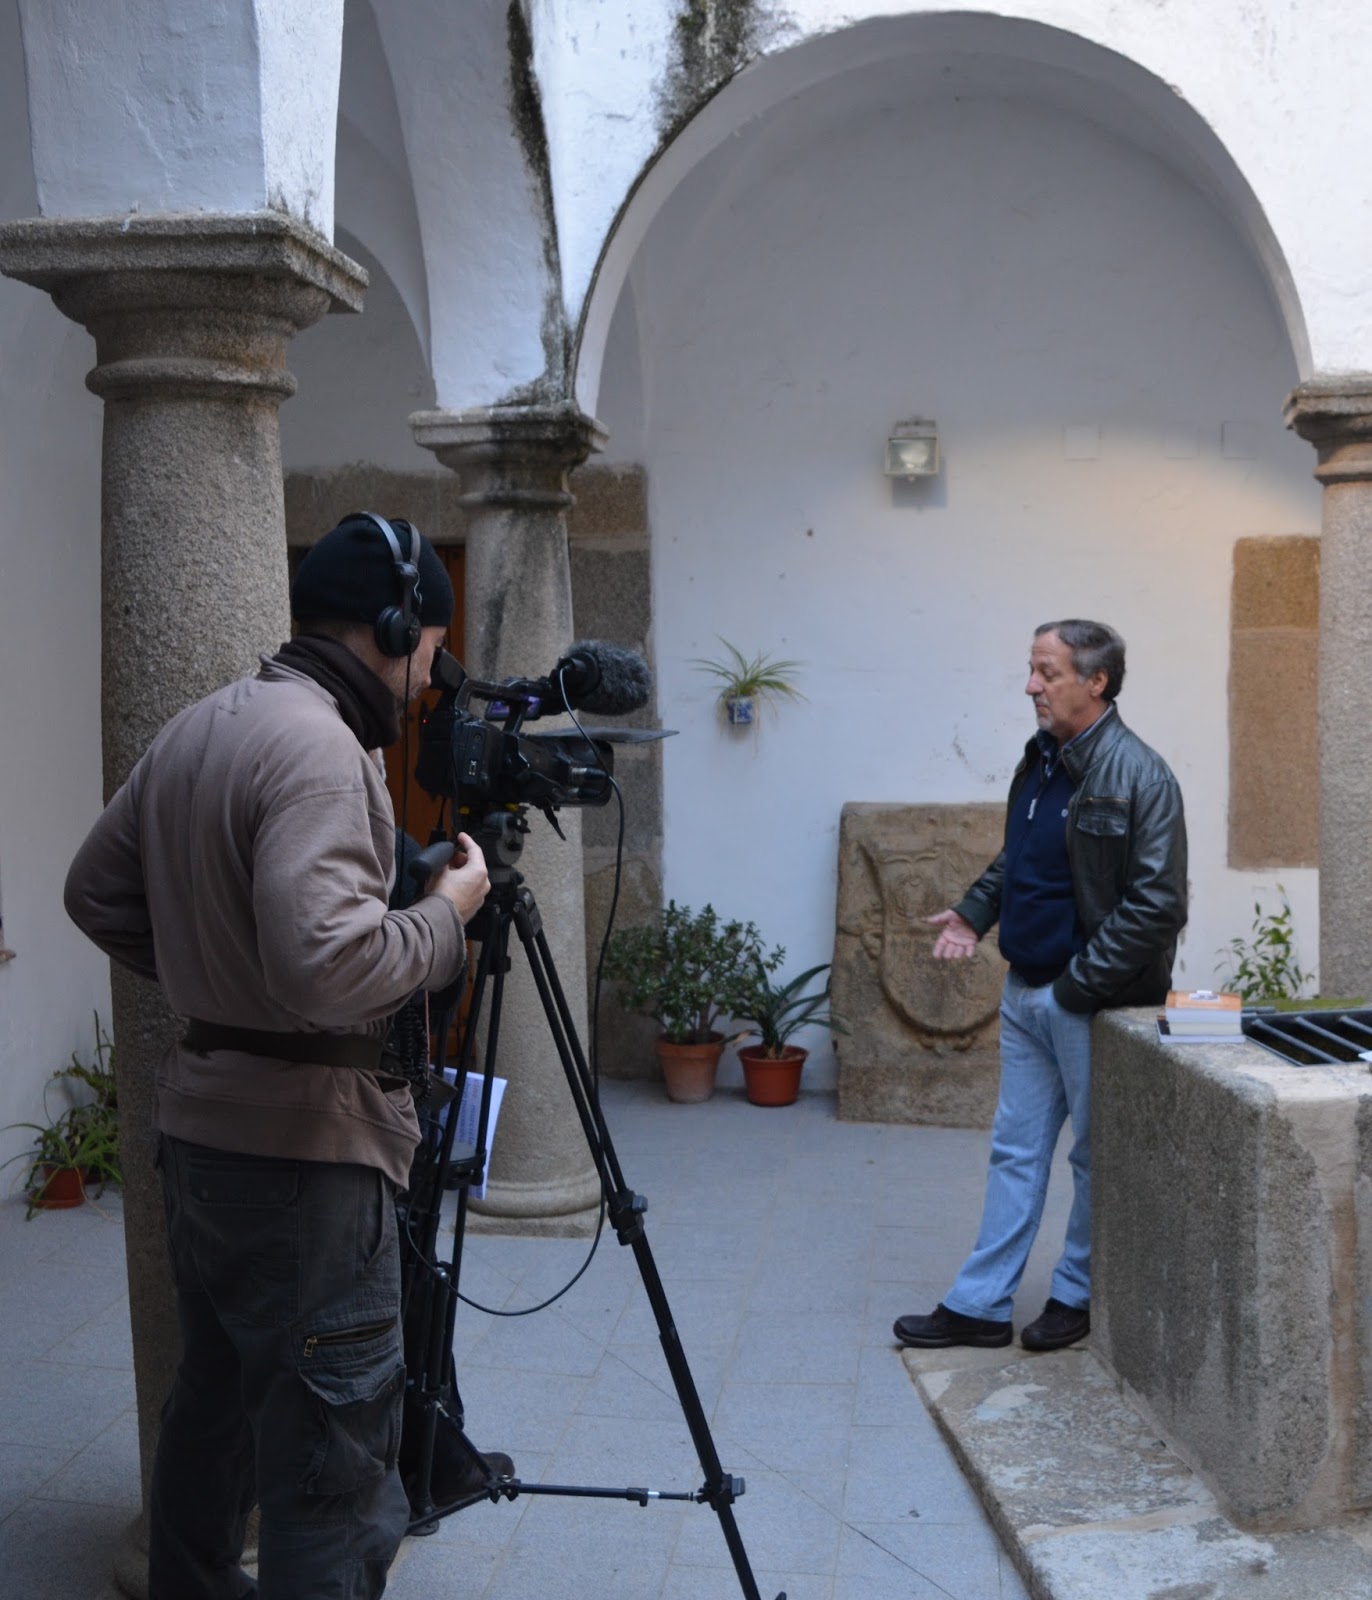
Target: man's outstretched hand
point(957, 938)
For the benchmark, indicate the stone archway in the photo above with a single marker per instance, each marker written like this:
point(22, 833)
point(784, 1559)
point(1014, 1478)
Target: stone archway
point(994, 241)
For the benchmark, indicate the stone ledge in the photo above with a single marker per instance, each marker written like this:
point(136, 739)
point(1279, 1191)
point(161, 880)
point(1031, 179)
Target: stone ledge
point(1089, 1502)
point(1231, 1265)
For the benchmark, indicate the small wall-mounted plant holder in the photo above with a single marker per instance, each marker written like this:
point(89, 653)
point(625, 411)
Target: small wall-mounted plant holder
point(746, 683)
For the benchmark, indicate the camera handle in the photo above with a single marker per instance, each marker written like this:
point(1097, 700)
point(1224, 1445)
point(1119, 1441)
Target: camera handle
point(510, 903)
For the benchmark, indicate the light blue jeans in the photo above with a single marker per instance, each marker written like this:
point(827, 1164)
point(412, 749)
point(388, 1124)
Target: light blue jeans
point(1045, 1077)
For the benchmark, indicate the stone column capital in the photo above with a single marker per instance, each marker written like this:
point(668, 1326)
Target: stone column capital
point(190, 304)
point(1335, 415)
point(515, 456)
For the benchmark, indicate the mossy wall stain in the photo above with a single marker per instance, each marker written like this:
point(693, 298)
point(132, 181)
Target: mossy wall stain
point(713, 41)
point(526, 114)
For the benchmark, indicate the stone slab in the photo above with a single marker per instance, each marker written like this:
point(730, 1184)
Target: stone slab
point(1273, 683)
point(1091, 1503)
point(923, 1036)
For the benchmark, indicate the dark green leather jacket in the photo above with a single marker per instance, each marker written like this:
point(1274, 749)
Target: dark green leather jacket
point(1126, 844)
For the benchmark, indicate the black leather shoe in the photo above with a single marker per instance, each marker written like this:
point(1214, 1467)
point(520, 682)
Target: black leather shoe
point(943, 1327)
point(1056, 1327)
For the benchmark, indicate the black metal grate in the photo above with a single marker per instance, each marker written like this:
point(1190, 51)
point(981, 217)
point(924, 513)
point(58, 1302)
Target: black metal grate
point(1313, 1038)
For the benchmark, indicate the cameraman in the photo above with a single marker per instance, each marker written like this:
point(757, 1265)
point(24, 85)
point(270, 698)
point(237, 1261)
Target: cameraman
point(245, 866)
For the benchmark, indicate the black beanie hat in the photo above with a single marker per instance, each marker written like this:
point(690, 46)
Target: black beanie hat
point(350, 576)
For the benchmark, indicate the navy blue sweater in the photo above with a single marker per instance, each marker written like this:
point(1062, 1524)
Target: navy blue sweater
point(1039, 932)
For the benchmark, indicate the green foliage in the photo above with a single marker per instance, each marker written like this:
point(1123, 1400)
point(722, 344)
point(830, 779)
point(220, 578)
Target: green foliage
point(774, 1011)
point(1264, 968)
point(84, 1134)
point(758, 676)
point(688, 970)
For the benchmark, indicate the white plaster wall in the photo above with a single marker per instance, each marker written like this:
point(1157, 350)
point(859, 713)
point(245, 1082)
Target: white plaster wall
point(49, 657)
point(184, 105)
point(621, 394)
point(860, 256)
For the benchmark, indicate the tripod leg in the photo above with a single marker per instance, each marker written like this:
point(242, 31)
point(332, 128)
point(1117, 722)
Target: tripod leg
point(432, 1394)
point(626, 1211)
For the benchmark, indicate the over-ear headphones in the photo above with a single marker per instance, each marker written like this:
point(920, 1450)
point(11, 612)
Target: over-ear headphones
point(397, 629)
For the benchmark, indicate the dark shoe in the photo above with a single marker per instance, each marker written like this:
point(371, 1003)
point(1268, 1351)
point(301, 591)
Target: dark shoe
point(1056, 1327)
point(943, 1327)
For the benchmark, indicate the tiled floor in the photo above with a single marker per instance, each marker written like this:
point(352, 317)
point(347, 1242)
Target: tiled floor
point(787, 1241)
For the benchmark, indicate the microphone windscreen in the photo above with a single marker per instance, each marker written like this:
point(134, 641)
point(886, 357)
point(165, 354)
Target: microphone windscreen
point(607, 679)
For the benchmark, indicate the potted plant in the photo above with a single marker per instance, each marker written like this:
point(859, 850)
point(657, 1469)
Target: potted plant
point(775, 1011)
point(79, 1146)
point(744, 683)
point(686, 972)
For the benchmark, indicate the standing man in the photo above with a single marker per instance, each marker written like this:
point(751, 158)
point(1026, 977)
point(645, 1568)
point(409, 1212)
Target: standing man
point(245, 867)
point(1090, 894)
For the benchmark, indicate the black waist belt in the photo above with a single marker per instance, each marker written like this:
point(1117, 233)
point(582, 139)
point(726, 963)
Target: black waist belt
point(316, 1049)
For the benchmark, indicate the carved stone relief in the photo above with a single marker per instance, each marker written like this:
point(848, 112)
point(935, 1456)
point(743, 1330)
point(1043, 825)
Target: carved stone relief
point(922, 1045)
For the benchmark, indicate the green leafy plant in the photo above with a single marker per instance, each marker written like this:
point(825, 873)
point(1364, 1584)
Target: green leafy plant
point(757, 677)
point(101, 1112)
point(775, 1011)
point(688, 971)
point(1263, 967)
point(84, 1135)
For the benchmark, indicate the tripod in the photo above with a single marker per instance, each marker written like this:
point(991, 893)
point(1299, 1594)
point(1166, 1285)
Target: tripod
point(434, 1286)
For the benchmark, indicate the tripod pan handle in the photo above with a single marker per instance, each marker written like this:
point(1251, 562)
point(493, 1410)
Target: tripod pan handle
point(433, 859)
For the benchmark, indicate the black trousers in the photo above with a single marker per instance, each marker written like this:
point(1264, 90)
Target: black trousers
point(291, 1381)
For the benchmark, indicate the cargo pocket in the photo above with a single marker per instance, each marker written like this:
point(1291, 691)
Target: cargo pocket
point(355, 1382)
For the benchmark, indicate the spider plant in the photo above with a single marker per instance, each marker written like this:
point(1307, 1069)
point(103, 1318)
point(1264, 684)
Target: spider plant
point(743, 678)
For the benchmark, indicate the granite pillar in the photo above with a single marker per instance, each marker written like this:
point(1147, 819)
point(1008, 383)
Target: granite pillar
point(191, 317)
point(1335, 415)
point(513, 464)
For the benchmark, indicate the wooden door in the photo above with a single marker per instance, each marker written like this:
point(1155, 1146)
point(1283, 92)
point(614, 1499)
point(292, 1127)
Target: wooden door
point(416, 811)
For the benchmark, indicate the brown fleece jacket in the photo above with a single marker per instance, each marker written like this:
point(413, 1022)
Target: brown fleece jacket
point(246, 866)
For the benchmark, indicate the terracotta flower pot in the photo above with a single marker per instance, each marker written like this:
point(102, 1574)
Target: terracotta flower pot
point(688, 1070)
point(58, 1189)
point(770, 1080)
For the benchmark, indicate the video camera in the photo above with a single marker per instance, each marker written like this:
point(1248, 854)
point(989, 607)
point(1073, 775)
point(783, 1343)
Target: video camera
point(481, 762)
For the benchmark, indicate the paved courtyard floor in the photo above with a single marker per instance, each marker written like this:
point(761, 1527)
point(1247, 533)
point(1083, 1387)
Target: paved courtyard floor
point(787, 1242)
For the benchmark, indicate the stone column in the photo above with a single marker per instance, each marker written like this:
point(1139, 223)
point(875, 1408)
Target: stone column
point(191, 317)
point(513, 464)
point(1335, 415)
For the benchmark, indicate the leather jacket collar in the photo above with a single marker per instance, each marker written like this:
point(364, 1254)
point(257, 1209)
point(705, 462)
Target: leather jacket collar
point(1078, 754)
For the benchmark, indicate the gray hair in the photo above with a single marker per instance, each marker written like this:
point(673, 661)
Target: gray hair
point(1095, 648)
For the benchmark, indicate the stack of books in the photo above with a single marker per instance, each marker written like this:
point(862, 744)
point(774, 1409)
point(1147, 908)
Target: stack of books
point(1201, 1016)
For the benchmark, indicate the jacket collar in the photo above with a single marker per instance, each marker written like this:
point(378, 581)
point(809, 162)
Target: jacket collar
point(1078, 754)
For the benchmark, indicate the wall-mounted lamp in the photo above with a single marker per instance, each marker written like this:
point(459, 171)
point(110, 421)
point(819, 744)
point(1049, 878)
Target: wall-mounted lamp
point(912, 450)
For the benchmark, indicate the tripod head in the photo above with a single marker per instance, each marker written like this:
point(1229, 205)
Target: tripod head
point(500, 834)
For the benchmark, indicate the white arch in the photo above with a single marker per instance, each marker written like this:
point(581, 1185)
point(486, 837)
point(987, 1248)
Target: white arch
point(489, 249)
point(1013, 56)
point(375, 199)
